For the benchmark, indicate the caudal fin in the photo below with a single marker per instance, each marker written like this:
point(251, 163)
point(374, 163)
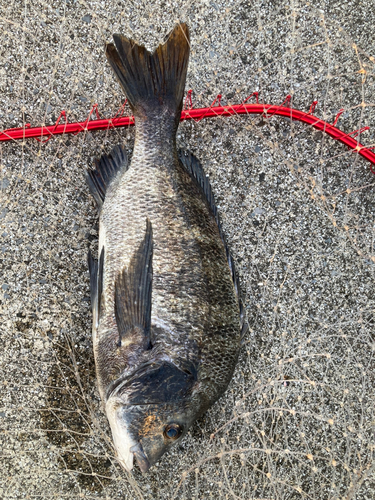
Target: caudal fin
point(152, 80)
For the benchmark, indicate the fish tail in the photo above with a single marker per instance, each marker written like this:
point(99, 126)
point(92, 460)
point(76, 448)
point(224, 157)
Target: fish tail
point(152, 81)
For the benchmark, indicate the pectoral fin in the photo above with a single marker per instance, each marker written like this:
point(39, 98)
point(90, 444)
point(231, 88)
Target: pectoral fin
point(133, 291)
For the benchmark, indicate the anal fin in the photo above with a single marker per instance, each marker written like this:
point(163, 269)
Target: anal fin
point(106, 169)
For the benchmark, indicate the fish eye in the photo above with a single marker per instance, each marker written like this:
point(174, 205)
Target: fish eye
point(173, 431)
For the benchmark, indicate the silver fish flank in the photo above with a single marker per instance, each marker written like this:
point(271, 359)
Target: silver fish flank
point(167, 318)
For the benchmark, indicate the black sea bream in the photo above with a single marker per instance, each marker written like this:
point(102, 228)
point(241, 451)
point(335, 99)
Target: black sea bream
point(167, 318)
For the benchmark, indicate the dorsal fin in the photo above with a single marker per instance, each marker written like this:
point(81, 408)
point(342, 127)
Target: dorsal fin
point(195, 169)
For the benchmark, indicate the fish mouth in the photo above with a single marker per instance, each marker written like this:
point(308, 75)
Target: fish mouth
point(140, 456)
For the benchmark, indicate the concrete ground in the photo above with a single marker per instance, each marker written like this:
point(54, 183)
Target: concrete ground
point(298, 211)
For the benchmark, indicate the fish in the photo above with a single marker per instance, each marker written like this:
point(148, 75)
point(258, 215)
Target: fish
point(167, 314)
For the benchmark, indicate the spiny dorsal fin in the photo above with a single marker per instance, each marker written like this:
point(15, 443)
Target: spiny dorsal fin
point(195, 169)
point(152, 80)
point(133, 290)
point(106, 169)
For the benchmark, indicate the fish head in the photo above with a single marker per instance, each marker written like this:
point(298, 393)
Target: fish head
point(150, 412)
point(146, 432)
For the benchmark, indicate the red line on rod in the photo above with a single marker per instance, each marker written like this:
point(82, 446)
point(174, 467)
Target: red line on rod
point(267, 110)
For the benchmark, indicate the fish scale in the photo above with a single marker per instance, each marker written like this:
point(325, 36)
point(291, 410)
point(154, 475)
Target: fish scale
point(175, 249)
point(167, 316)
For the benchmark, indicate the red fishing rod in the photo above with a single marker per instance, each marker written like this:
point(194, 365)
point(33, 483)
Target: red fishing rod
point(44, 133)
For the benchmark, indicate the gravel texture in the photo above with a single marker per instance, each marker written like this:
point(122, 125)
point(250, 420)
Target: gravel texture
point(298, 211)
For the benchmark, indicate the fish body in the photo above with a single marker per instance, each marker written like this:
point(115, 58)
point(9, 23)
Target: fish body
point(167, 318)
